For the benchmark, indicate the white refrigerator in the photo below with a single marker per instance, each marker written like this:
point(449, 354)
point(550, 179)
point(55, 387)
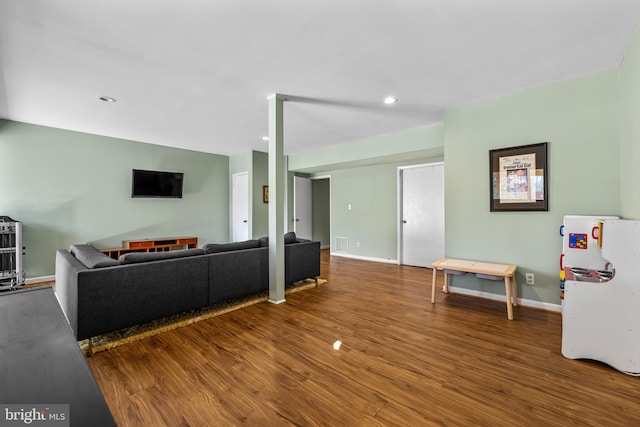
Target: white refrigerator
point(601, 307)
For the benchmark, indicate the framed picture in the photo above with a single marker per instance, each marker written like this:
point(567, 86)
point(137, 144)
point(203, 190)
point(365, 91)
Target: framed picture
point(265, 194)
point(518, 178)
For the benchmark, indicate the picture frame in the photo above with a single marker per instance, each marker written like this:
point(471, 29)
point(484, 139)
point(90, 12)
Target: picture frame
point(518, 178)
point(265, 194)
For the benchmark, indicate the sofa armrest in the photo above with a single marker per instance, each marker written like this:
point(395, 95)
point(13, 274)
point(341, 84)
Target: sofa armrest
point(302, 260)
point(67, 270)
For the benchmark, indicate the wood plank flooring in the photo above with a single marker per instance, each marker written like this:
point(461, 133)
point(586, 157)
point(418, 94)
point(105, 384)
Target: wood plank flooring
point(403, 362)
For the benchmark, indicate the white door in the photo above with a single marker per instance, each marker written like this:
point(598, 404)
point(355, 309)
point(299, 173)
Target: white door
point(422, 215)
point(302, 215)
point(240, 207)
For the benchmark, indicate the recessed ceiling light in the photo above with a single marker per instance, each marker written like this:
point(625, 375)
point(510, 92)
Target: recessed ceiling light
point(107, 99)
point(390, 100)
point(265, 138)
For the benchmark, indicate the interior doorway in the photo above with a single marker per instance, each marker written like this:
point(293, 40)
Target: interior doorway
point(321, 205)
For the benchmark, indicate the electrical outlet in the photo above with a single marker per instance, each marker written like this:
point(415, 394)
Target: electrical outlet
point(357, 244)
point(531, 278)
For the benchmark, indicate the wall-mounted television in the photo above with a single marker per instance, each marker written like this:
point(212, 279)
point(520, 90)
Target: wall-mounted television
point(156, 184)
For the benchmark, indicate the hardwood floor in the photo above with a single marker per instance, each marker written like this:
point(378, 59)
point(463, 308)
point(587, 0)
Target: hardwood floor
point(403, 361)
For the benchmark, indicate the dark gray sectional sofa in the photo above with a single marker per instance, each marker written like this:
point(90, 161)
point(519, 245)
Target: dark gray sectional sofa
point(100, 295)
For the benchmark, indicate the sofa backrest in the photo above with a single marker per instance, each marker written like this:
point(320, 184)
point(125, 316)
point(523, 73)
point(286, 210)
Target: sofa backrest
point(92, 257)
point(136, 257)
point(236, 274)
point(289, 238)
point(109, 299)
point(213, 248)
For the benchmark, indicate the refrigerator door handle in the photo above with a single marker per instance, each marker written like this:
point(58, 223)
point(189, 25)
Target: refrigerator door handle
point(596, 233)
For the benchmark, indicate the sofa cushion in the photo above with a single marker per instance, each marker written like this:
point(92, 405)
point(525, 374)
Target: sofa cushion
point(95, 259)
point(136, 257)
point(289, 238)
point(74, 249)
point(212, 248)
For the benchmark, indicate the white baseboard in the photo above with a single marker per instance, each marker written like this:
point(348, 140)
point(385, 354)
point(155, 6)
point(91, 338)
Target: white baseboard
point(39, 279)
point(541, 305)
point(325, 247)
point(521, 301)
point(272, 301)
point(365, 258)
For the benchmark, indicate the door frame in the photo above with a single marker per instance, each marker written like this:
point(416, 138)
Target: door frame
point(400, 203)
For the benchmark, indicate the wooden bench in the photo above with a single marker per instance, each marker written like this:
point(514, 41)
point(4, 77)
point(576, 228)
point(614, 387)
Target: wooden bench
point(492, 270)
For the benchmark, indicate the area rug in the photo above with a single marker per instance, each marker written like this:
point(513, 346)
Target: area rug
point(135, 333)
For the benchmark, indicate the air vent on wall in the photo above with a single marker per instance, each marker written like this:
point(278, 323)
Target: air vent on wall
point(342, 245)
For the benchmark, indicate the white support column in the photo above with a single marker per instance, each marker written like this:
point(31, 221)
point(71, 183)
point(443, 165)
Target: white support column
point(277, 202)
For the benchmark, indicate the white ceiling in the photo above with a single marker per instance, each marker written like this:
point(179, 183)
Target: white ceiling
point(195, 74)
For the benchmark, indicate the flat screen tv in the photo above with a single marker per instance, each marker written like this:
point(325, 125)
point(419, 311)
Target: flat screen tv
point(156, 184)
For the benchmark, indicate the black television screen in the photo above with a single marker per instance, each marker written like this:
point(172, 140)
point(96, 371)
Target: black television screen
point(156, 184)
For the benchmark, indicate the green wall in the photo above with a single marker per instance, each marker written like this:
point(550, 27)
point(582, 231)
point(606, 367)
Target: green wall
point(256, 164)
point(260, 210)
point(372, 193)
point(579, 118)
point(630, 131)
point(70, 187)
